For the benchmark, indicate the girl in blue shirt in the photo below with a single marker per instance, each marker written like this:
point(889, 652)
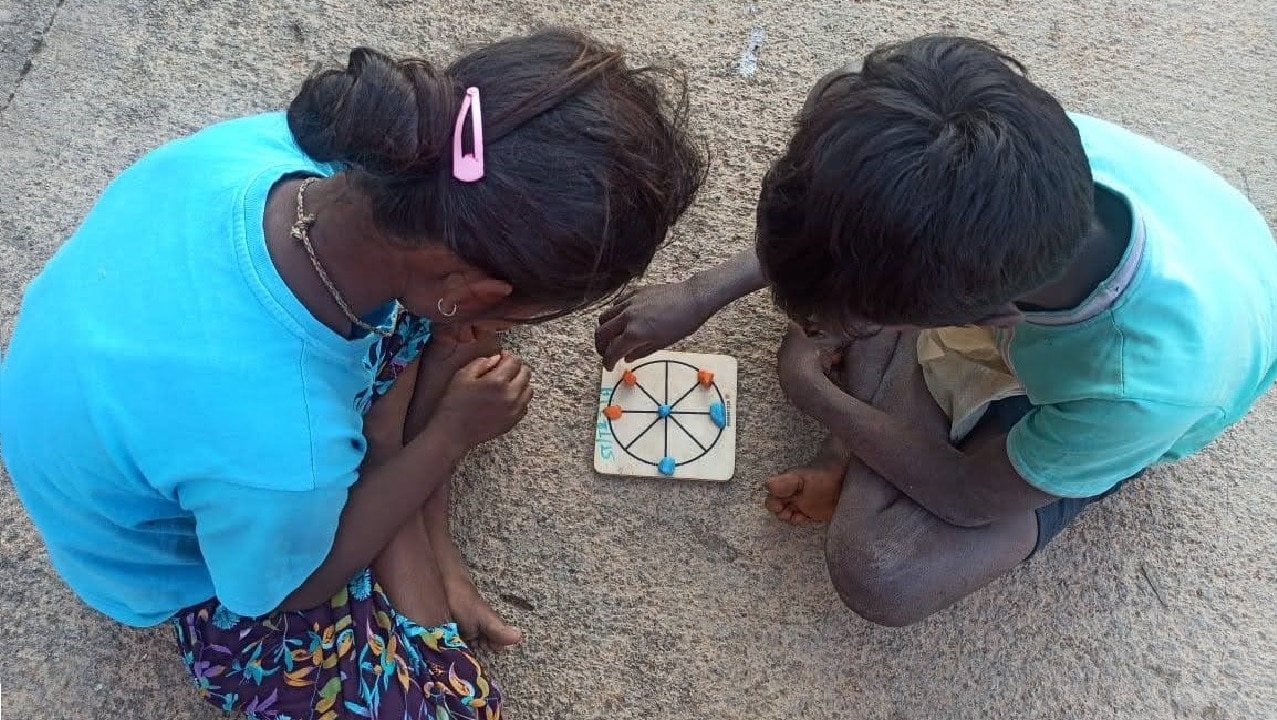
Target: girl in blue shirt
point(250, 436)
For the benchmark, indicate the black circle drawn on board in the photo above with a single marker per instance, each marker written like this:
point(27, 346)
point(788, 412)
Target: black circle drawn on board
point(665, 421)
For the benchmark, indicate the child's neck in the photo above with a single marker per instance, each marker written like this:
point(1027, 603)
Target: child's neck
point(357, 269)
point(1105, 246)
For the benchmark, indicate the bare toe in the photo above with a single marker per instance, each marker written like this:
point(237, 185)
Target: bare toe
point(499, 634)
point(804, 494)
point(785, 485)
point(479, 622)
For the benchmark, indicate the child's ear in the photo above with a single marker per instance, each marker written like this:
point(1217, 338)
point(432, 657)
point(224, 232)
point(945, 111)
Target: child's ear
point(1005, 316)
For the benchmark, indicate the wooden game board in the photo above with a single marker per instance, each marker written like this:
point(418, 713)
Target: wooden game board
point(668, 415)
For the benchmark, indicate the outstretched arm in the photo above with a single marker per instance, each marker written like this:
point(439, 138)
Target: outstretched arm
point(735, 278)
point(655, 317)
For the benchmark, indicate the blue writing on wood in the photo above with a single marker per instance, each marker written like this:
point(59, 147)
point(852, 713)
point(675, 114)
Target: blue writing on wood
point(603, 433)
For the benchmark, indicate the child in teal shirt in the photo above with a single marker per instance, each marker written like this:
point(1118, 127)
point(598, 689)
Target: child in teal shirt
point(1127, 293)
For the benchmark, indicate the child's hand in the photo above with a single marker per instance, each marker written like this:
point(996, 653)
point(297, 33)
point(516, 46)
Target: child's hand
point(650, 319)
point(486, 398)
point(804, 366)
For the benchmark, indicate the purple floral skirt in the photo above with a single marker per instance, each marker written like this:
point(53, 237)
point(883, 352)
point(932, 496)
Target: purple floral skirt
point(353, 657)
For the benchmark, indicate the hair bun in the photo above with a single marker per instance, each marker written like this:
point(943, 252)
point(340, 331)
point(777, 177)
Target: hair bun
point(384, 117)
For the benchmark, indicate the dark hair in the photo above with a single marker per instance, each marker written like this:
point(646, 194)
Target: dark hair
point(587, 160)
point(930, 187)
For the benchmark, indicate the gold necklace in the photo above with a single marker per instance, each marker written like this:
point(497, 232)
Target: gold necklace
point(301, 233)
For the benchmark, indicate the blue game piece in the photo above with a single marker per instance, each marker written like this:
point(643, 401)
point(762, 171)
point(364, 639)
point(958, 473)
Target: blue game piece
point(667, 465)
point(718, 413)
point(664, 411)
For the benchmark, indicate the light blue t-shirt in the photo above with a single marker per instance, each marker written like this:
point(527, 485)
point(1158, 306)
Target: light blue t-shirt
point(1173, 348)
point(176, 422)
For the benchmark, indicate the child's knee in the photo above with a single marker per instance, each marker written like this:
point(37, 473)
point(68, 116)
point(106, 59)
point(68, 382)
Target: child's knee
point(870, 570)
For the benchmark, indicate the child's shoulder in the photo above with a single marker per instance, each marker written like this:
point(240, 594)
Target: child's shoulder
point(1174, 189)
point(1124, 155)
point(237, 145)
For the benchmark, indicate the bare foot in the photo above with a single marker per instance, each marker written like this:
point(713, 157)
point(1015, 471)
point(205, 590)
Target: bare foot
point(478, 622)
point(809, 494)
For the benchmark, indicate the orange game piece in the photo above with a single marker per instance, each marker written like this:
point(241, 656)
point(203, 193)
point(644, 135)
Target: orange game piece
point(705, 378)
point(613, 412)
point(628, 378)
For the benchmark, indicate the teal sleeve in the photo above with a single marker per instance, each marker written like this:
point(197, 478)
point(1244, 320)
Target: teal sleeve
point(1083, 448)
point(260, 545)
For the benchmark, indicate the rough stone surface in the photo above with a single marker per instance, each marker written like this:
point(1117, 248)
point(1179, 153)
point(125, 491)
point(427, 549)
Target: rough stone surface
point(656, 598)
point(22, 28)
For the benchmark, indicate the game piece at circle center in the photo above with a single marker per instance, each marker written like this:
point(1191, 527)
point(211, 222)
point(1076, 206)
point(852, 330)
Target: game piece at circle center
point(668, 415)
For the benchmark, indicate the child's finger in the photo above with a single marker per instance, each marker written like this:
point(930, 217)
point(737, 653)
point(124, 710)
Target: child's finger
point(480, 366)
point(606, 336)
point(624, 346)
point(525, 397)
point(523, 379)
point(640, 352)
point(507, 368)
point(616, 307)
point(524, 404)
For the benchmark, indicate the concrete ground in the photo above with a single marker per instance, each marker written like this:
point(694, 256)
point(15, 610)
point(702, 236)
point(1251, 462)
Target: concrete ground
point(658, 599)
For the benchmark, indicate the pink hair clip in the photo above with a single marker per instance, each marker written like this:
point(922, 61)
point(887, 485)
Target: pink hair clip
point(468, 168)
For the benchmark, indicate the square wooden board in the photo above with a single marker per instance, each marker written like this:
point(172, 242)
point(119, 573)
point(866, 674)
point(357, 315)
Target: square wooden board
point(635, 443)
